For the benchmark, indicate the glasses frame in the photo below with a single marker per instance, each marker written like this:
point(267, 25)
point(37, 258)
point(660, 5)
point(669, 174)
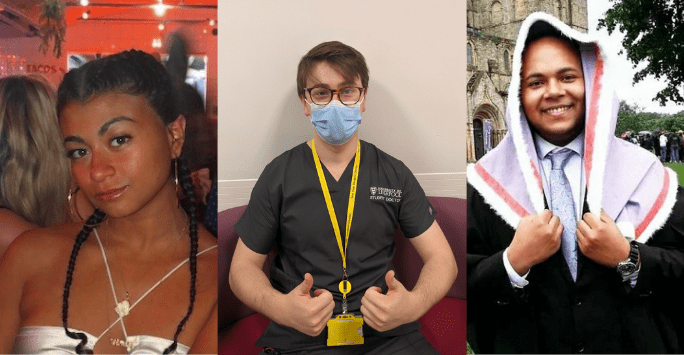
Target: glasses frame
point(361, 95)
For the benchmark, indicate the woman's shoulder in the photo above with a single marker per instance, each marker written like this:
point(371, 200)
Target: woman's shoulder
point(40, 247)
point(11, 226)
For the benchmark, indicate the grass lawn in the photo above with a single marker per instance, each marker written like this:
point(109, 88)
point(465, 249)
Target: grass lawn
point(679, 169)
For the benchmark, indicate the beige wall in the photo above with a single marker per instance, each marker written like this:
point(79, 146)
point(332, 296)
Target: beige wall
point(415, 109)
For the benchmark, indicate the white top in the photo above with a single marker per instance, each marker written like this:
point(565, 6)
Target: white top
point(52, 339)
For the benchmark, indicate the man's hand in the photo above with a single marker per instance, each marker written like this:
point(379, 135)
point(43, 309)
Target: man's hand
point(308, 314)
point(383, 312)
point(536, 239)
point(601, 241)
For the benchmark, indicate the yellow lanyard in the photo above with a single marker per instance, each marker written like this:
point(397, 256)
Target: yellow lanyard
point(345, 286)
point(328, 201)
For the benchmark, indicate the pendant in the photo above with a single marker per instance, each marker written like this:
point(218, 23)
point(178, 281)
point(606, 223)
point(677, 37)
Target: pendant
point(123, 308)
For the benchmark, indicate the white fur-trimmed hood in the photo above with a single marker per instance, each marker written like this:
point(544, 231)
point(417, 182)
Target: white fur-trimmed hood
point(629, 183)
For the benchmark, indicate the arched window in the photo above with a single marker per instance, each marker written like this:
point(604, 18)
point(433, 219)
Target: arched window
point(470, 54)
point(478, 138)
point(507, 63)
point(497, 17)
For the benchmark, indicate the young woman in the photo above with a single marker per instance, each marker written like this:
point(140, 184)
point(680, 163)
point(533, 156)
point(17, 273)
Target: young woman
point(139, 275)
point(33, 171)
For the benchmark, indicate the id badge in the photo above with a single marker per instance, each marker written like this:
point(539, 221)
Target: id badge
point(345, 329)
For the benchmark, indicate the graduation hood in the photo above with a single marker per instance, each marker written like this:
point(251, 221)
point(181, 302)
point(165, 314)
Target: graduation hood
point(628, 182)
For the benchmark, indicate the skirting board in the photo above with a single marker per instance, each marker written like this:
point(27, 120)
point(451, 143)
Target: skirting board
point(234, 193)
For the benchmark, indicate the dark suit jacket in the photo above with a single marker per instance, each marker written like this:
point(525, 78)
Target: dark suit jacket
point(596, 314)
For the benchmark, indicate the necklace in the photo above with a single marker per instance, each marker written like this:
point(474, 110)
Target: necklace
point(124, 307)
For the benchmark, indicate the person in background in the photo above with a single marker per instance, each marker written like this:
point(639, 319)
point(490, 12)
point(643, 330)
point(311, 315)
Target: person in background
point(34, 172)
point(675, 142)
point(663, 146)
point(680, 137)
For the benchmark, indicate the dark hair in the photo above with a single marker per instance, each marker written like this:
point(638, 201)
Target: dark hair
point(344, 59)
point(132, 72)
point(543, 29)
point(135, 73)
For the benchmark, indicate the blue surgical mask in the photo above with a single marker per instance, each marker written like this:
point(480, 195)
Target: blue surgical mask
point(335, 122)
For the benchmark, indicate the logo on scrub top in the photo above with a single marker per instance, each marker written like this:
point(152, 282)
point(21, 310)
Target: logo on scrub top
point(385, 194)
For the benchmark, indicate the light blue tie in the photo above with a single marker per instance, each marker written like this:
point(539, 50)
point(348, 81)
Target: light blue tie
point(563, 206)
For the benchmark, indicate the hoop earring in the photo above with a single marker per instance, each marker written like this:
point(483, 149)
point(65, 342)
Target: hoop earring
point(73, 208)
point(175, 162)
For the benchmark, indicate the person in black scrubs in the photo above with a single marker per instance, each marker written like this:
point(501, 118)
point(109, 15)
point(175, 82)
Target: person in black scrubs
point(330, 207)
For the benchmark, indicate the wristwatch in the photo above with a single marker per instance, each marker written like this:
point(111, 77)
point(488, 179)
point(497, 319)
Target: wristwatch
point(631, 265)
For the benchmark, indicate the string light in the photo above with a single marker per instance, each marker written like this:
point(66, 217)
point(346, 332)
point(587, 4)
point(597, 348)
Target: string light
point(85, 15)
point(84, 2)
point(156, 43)
point(160, 8)
point(212, 22)
point(161, 26)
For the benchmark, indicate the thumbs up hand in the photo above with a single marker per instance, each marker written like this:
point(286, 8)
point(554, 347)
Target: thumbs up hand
point(307, 314)
point(383, 312)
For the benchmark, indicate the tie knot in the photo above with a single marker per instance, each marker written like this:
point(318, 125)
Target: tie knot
point(559, 158)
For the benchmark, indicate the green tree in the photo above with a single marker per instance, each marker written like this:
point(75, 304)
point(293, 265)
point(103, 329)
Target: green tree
point(654, 33)
point(672, 123)
point(629, 117)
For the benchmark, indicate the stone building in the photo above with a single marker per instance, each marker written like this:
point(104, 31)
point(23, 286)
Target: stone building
point(492, 30)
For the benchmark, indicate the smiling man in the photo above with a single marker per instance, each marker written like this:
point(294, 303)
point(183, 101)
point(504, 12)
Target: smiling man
point(330, 207)
point(574, 236)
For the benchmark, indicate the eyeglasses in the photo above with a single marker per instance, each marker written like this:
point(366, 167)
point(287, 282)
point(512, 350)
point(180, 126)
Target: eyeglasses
point(348, 96)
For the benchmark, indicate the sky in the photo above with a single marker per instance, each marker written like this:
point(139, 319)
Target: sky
point(641, 93)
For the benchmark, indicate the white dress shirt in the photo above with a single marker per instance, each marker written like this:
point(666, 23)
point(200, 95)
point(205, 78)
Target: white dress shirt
point(574, 171)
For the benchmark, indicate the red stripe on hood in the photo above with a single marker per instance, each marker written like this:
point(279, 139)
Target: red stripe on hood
point(499, 190)
point(656, 206)
point(592, 114)
point(536, 175)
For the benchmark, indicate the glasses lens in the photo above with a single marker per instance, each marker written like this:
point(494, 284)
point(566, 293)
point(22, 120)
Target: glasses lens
point(321, 96)
point(350, 96)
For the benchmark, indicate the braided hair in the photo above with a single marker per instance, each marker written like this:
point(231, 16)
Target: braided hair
point(135, 73)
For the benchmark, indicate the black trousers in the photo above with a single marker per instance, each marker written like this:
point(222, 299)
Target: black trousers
point(408, 344)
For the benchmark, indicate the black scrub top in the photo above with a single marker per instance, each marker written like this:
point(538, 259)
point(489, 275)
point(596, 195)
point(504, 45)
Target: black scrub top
point(287, 211)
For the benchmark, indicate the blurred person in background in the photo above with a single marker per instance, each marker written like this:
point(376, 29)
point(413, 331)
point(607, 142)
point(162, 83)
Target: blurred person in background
point(200, 131)
point(34, 174)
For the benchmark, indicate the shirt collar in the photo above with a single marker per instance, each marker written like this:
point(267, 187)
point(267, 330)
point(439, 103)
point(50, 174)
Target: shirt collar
point(544, 147)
